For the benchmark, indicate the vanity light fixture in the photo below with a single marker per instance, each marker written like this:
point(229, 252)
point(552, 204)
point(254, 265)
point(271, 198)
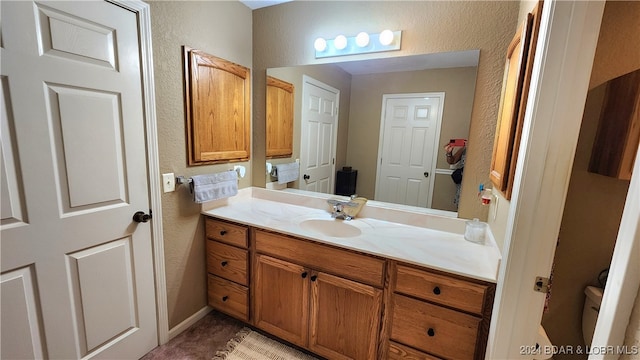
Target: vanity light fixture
point(362, 39)
point(362, 43)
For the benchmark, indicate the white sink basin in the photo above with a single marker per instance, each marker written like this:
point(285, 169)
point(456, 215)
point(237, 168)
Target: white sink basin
point(331, 227)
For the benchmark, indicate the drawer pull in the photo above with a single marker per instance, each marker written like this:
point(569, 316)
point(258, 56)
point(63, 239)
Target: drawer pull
point(224, 298)
point(431, 332)
point(436, 290)
point(224, 263)
point(223, 232)
point(304, 274)
point(314, 277)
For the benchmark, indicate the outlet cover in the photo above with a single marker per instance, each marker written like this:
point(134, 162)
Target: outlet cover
point(169, 182)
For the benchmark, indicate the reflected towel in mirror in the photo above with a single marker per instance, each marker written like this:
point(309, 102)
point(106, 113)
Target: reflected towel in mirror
point(287, 172)
point(214, 186)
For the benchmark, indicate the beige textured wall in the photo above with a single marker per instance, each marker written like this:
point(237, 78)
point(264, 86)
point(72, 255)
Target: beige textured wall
point(620, 29)
point(366, 111)
point(594, 202)
point(284, 35)
point(222, 29)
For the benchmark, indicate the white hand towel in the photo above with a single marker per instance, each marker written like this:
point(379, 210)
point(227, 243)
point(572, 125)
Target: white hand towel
point(288, 172)
point(214, 186)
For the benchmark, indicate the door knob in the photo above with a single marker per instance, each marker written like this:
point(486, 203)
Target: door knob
point(141, 217)
point(306, 177)
point(426, 174)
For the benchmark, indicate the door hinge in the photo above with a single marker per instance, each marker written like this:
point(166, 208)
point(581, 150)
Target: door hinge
point(542, 284)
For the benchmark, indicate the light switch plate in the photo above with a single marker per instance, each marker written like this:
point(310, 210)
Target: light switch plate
point(169, 182)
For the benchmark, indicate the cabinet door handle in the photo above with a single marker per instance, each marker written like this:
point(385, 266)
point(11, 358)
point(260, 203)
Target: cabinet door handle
point(436, 290)
point(314, 277)
point(304, 274)
point(224, 263)
point(223, 232)
point(224, 298)
point(431, 332)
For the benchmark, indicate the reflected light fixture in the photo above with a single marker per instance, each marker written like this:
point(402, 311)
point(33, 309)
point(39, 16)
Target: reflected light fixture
point(362, 43)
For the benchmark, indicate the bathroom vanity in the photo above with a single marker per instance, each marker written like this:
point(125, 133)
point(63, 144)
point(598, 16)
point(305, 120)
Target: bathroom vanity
point(362, 289)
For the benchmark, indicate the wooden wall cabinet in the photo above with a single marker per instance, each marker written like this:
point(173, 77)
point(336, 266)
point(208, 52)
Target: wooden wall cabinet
point(616, 143)
point(515, 91)
point(218, 109)
point(280, 97)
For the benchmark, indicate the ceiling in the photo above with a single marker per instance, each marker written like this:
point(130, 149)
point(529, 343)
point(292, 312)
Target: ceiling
point(412, 62)
point(257, 4)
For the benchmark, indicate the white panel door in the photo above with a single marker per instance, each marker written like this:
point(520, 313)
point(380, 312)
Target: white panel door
point(77, 271)
point(409, 136)
point(319, 131)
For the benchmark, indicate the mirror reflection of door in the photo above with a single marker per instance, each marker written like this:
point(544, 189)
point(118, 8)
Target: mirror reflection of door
point(319, 130)
point(408, 148)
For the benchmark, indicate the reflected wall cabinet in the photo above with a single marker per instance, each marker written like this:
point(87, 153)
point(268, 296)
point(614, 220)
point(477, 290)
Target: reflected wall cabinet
point(618, 136)
point(217, 107)
point(279, 118)
point(515, 90)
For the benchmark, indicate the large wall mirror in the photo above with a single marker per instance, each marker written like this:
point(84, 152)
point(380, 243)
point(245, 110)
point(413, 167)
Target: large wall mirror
point(393, 118)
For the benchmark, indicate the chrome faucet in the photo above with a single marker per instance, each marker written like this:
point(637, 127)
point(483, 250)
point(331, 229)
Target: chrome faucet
point(346, 210)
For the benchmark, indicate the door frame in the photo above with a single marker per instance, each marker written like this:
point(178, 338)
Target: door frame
point(143, 13)
point(434, 159)
point(306, 79)
point(566, 46)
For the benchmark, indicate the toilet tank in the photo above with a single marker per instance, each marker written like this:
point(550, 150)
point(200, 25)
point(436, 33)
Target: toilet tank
point(592, 302)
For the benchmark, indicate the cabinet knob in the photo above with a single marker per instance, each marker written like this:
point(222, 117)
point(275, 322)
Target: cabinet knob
point(431, 332)
point(314, 277)
point(224, 263)
point(436, 290)
point(224, 298)
point(304, 274)
point(223, 232)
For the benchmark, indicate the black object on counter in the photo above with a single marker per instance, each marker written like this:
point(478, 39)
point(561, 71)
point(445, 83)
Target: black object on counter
point(346, 181)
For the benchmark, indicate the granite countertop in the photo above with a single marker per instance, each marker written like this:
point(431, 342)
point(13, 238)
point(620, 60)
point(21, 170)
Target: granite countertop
point(432, 241)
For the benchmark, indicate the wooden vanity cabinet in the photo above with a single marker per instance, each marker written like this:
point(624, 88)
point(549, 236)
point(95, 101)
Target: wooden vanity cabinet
point(325, 312)
point(227, 268)
point(342, 304)
point(435, 315)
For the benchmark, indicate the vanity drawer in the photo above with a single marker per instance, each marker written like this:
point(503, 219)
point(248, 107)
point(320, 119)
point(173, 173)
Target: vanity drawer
point(228, 297)
point(226, 232)
point(401, 352)
point(228, 262)
point(434, 329)
point(457, 293)
point(351, 265)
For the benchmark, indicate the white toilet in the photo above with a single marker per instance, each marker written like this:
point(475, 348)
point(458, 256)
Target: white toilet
point(590, 311)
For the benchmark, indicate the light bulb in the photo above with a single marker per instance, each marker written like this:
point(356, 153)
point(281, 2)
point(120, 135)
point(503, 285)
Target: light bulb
point(320, 44)
point(340, 42)
point(362, 39)
point(386, 37)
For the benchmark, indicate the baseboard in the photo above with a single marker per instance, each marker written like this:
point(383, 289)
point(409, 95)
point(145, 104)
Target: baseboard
point(178, 329)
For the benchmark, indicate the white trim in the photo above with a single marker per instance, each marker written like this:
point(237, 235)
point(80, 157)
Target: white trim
point(184, 325)
point(334, 141)
point(434, 155)
point(144, 27)
point(444, 171)
point(623, 281)
point(562, 68)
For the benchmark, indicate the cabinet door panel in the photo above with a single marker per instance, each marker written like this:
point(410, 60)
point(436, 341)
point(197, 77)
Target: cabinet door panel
point(345, 318)
point(281, 299)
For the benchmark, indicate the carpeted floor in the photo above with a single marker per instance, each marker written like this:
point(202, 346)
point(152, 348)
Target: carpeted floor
point(200, 341)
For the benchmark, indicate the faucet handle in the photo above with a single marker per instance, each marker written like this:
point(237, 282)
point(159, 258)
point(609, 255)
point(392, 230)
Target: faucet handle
point(354, 196)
